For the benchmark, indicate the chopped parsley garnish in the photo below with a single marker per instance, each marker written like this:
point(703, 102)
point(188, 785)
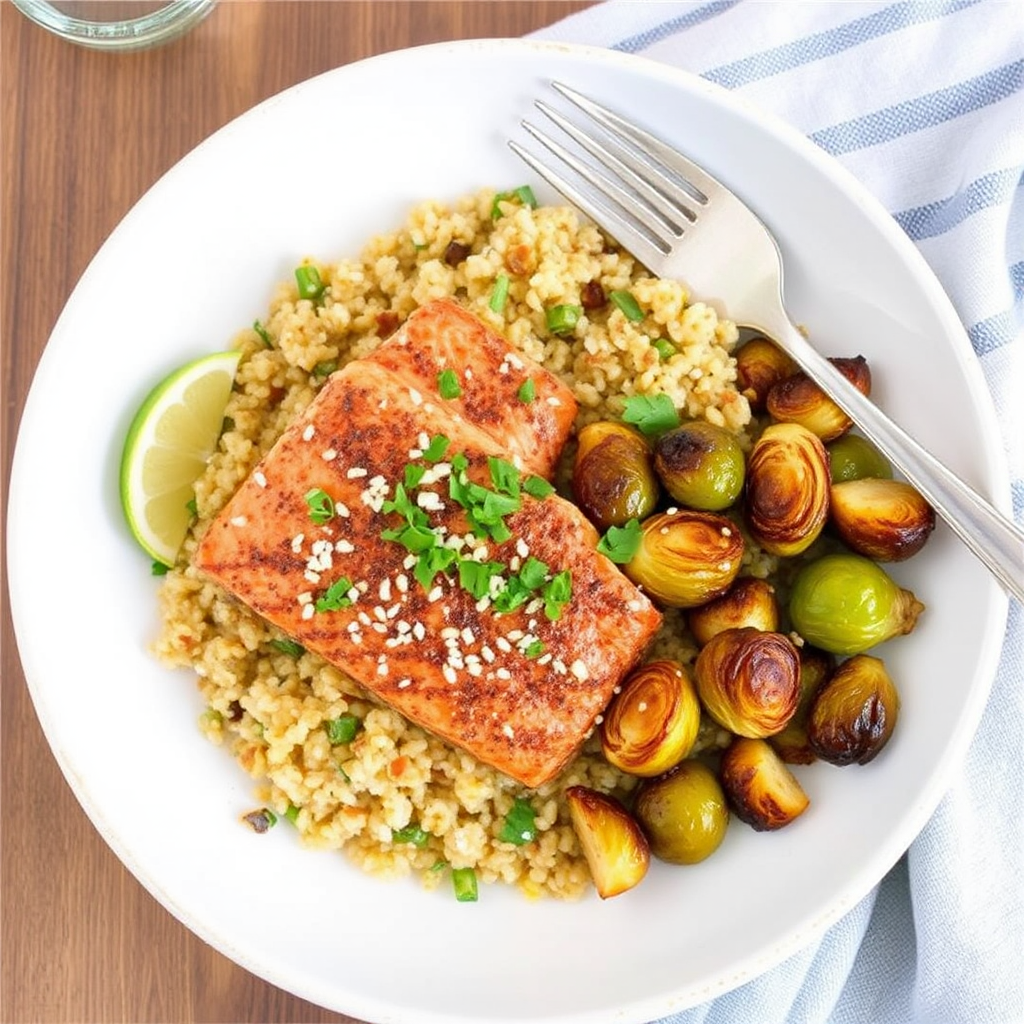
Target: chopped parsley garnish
point(665, 349)
point(523, 194)
point(448, 384)
point(534, 649)
point(533, 573)
point(288, 646)
point(325, 369)
point(464, 884)
point(342, 729)
point(335, 597)
point(435, 451)
point(519, 826)
point(263, 334)
point(512, 596)
point(193, 508)
point(620, 543)
point(537, 487)
point(159, 569)
point(629, 306)
point(410, 834)
point(527, 391)
point(311, 286)
point(557, 593)
point(504, 476)
point(321, 506)
point(651, 414)
point(563, 319)
point(413, 538)
point(475, 577)
point(431, 562)
point(499, 296)
point(413, 475)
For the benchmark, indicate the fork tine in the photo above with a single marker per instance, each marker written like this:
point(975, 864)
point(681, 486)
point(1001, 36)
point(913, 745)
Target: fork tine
point(687, 174)
point(648, 247)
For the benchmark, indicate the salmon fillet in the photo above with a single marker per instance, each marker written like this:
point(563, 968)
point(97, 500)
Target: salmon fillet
point(479, 610)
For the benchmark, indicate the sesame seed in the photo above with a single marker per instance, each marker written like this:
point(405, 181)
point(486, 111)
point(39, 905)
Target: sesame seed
point(403, 627)
point(580, 670)
point(449, 673)
point(382, 668)
point(552, 401)
point(522, 548)
point(544, 659)
point(515, 635)
point(467, 373)
point(403, 683)
point(357, 638)
point(415, 453)
point(385, 589)
point(508, 730)
point(449, 633)
point(305, 597)
point(409, 562)
point(488, 654)
point(307, 434)
point(726, 532)
point(503, 645)
point(430, 501)
point(467, 635)
point(418, 630)
point(415, 397)
point(379, 627)
point(423, 440)
point(239, 521)
point(353, 627)
point(634, 605)
point(599, 719)
point(311, 576)
point(535, 605)
point(672, 510)
point(474, 668)
point(394, 610)
point(642, 706)
point(261, 480)
point(353, 594)
point(434, 595)
point(308, 611)
point(725, 566)
point(402, 583)
point(355, 472)
point(383, 404)
point(380, 613)
point(503, 673)
point(514, 361)
point(364, 618)
point(341, 510)
point(559, 666)
point(344, 547)
point(329, 455)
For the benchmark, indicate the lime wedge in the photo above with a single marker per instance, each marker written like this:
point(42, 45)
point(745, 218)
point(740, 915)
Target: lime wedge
point(169, 442)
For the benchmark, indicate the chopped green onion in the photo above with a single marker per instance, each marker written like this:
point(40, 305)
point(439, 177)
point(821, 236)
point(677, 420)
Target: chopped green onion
point(563, 319)
point(288, 646)
point(321, 506)
point(527, 391)
point(310, 284)
point(335, 597)
point(262, 332)
point(504, 476)
point(537, 487)
point(629, 306)
point(533, 573)
point(342, 729)
point(464, 884)
point(435, 451)
point(665, 349)
point(499, 296)
point(431, 562)
point(459, 462)
point(475, 577)
point(413, 475)
point(620, 543)
point(534, 649)
point(410, 834)
point(520, 823)
point(557, 593)
point(292, 813)
point(439, 865)
point(159, 569)
point(192, 507)
point(514, 595)
point(652, 414)
point(405, 507)
point(325, 369)
point(413, 538)
point(260, 821)
point(448, 384)
point(524, 194)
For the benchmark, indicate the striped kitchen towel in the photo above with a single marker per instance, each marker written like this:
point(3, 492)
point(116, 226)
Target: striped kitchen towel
point(924, 103)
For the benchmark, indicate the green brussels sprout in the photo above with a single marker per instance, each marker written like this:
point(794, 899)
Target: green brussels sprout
point(683, 813)
point(701, 465)
point(612, 479)
point(845, 603)
point(852, 457)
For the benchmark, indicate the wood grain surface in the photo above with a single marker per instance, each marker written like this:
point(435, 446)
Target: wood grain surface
point(84, 134)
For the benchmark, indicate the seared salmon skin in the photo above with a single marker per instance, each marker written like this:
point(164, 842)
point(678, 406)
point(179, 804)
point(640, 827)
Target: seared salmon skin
point(404, 529)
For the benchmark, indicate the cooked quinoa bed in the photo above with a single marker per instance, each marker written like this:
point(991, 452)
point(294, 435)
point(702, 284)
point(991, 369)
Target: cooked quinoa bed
point(269, 706)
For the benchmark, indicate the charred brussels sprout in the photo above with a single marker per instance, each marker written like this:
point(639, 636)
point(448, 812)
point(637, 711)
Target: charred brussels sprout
point(760, 365)
point(792, 744)
point(854, 714)
point(845, 604)
point(886, 520)
point(748, 602)
point(798, 399)
point(852, 457)
point(787, 489)
point(701, 465)
point(683, 813)
point(749, 681)
point(686, 558)
point(614, 845)
point(761, 789)
point(652, 723)
point(612, 479)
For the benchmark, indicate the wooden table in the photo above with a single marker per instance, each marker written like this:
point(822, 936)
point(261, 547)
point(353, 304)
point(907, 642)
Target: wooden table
point(84, 135)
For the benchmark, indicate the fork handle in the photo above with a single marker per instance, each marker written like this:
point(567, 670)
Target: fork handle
point(995, 539)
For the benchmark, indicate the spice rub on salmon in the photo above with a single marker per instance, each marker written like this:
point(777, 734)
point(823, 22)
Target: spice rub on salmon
point(405, 530)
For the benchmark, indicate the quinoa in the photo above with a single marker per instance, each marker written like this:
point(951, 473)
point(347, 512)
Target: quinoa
point(270, 704)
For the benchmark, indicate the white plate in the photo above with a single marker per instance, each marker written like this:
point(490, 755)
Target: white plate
point(317, 170)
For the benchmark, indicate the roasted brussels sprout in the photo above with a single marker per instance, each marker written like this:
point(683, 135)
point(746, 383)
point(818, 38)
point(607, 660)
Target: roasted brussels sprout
point(700, 465)
point(760, 365)
point(887, 520)
point(686, 558)
point(787, 489)
point(762, 791)
point(797, 399)
point(613, 480)
point(683, 813)
point(792, 744)
point(845, 604)
point(614, 845)
point(652, 723)
point(852, 457)
point(854, 713)
point(748, 602)
point(749, 680)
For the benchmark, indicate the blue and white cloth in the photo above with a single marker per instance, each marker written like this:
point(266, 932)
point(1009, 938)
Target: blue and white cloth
point(924, 103)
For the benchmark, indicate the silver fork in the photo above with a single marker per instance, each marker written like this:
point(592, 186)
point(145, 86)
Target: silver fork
point(671, 214)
